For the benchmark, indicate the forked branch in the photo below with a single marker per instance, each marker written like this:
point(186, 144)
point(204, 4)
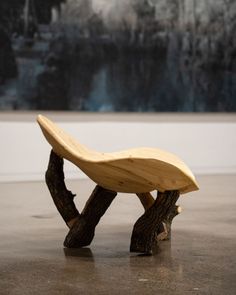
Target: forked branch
point(148, 227)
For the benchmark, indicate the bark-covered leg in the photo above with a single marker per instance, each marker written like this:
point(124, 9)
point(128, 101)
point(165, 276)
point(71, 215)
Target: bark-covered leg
point(82, 232)
point(144, 235)
point(146, 199)
point(63, 198)
point(164, 230)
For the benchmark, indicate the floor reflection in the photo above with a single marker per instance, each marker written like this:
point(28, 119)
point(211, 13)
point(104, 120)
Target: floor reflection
point(78, 252)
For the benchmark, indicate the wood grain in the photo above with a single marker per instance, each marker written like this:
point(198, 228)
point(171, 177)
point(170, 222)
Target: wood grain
point(138, 170)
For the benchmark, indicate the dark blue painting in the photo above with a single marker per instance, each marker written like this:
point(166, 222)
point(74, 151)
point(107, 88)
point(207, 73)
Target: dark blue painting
point(118, 55)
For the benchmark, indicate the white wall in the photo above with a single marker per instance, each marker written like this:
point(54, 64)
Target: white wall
point(207, 146)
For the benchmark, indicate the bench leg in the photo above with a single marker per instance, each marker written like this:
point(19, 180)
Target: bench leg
point(155, 223)
point(62, 198)
point(82, 232)
point(164, 231)
point(82, 226)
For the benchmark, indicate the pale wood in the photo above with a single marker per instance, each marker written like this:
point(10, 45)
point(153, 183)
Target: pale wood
point(138, 170)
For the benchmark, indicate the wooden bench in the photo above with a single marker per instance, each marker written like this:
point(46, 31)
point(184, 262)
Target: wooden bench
point(139, 171)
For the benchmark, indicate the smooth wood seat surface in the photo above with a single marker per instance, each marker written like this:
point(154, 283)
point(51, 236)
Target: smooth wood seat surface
point(136, 170)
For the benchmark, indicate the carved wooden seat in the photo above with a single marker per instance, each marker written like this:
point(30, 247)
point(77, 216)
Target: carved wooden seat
point(139, 171)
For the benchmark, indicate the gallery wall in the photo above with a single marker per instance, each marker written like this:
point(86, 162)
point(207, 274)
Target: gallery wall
point(135, 61)
point(206, 143)
point(118, 55)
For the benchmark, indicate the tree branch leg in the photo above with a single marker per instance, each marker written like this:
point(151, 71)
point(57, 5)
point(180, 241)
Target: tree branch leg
point(148, 227)
point(167, 222)
point(82, 232)
point(63, 198)
point(82, 226)
point(164, 230)
point(146, 199)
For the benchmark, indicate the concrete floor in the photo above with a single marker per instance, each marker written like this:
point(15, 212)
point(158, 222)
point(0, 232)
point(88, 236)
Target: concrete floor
point(200, 259)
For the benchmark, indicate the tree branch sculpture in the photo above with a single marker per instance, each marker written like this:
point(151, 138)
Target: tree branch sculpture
point(154, 225)
point(137, 171)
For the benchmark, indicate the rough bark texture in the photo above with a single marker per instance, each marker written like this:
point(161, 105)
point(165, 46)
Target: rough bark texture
point(63, 198)
point(82, 232)
point(150, 225)
point(163, 232)
point(167, 222)
point(154, 225)
point(146, 199)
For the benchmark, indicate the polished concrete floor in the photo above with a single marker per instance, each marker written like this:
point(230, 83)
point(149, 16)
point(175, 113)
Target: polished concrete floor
point(200, 259)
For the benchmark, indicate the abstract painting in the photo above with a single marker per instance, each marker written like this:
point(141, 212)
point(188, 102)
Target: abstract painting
point(118, 55)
